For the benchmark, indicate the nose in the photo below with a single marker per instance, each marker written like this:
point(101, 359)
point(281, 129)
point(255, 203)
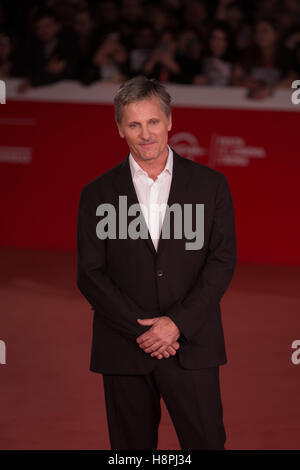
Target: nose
point(145, 134)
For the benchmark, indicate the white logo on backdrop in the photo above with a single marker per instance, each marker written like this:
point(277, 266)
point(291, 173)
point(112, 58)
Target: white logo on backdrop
point(187, 145)
point(21, 155)
point(232, 151)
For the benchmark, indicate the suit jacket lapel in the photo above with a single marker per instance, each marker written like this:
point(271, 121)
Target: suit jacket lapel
point(178, 190)
point(125, 187)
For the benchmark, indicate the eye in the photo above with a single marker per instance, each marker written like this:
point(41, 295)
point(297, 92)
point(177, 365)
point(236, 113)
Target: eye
point(154, 121)
point(132, 125)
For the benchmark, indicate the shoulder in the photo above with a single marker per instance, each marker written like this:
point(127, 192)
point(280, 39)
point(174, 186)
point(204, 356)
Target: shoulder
point(102, 182)
point(200, 171)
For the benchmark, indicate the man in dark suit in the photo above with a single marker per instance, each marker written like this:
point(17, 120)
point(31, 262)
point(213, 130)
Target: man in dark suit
point(157, 329)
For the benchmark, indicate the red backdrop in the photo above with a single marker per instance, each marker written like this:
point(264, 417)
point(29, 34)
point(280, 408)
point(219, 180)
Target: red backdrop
point(48, 151)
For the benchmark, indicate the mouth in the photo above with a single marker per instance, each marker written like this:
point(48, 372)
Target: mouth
point(147, 144)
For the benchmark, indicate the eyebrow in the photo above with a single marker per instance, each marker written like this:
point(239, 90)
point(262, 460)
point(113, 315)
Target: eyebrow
point(151, 119)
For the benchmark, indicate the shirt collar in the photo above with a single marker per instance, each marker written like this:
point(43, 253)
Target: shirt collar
point(136, 169)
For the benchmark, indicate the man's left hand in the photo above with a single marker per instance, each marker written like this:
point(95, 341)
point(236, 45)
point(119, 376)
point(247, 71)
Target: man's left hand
point(160, 336)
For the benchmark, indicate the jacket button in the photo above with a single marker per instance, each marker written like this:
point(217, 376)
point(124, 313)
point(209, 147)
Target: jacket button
point(160, 273)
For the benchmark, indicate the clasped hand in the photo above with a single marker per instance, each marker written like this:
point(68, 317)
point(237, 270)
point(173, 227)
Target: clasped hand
point(161, 339)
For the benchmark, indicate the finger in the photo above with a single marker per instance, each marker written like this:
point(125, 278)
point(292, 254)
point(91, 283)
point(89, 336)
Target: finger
point(148, 335)
point(147, 344)
point(143, 337)
point(159, 356)
point(147, 321)
point(161, 349)
point(156, 353)
point(149, 341)
point(166, 354)
point(154, 347)
point(171, 351)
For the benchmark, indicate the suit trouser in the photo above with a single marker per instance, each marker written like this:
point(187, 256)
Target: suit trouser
point(192, 398)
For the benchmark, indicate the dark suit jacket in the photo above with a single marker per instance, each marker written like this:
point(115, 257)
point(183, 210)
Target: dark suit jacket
point(126, 279)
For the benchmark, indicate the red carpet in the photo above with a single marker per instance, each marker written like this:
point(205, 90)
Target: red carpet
point(50, 400)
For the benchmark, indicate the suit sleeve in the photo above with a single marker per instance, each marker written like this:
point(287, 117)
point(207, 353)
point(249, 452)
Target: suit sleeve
point(203, 299)
point(115, 308)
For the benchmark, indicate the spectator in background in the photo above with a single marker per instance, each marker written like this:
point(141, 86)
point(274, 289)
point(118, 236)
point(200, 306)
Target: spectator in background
point(265, 64)
point(240, 29)
point(292, 42)
point(157, 18)
point(189, 56)
point(292, 39)
point(288, 15)
point(163, 64)
point(172, 5)
point(196, 16)
point(221, 11)
point(2, 16)
point(131, 11)
point(110, 61)
point(297, 60)
point(141, 50)
point(217, 63)
point(107, 17)
point(85, 29)
point(51, 55)
point(88, 38)
point(294, 7)
point(173, 9)
point(131, 15)
point(264, 8)
point(6, 55)
point(64, 11)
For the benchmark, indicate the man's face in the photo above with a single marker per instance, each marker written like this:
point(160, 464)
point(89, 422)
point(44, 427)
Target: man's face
point(46, 29)
point(145, 127)
point(82, 23)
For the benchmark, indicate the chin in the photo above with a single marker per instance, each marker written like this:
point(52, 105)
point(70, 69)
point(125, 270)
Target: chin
point(148, 153)
point(151, 155)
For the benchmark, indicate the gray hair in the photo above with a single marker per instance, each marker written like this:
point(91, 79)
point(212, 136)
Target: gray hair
point(137, 89)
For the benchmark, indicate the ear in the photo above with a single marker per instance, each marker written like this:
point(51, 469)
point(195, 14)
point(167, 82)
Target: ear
point(120, 131)
point(170, 123)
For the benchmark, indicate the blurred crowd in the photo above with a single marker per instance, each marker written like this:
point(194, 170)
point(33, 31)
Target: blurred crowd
point(250, 43)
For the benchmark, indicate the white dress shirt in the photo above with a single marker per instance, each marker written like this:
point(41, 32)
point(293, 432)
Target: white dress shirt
point(152, 195)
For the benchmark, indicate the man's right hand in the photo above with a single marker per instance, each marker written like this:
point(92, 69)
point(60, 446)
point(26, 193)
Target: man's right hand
point(170, 351)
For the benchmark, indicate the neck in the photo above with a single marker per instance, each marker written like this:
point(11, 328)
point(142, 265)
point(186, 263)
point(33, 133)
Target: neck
point(154, 167)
